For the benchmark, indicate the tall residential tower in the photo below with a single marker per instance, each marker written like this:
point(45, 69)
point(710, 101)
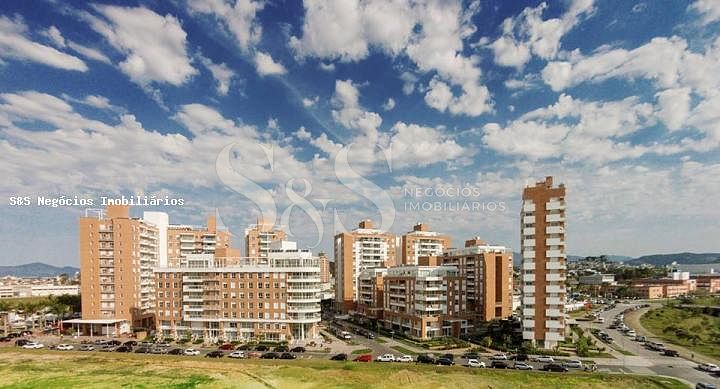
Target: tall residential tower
point(421, 242)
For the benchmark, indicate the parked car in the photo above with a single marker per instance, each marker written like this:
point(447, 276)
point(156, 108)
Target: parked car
point(424, 358)
point(702, 385)
point(556, 367)
point(386, 358)
point(114, 342)
point(444, 362)
point(191, 352)
point(87, 347)
point(107, 348)
point(640, 338)
point(33, 345)
point(671, 353)
point(262, 347)
point(269, 355)
point(448, 356)
point(470, 356)
point(522, 366)
point(143, 350)
point(65, 347)
point(404, 358)
point(159, 350)
point(499, 357)
point(123, 349)
point(498, 364)
point(176, 351)
point(363, 358)
point(573, 364)
point(298, 349)
point(237, 354)
point(709, 367)
point(473, 362)
point(521, 357)
point(287, 356)
point(544, 359)
point(281, 349)
point(339, 357)
point(21, 342)
point(631, 333)
point(226, 346)
point(130, 343)
point(215, 354)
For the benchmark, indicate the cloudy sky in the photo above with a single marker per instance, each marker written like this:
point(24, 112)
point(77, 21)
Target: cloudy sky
point(319, 113)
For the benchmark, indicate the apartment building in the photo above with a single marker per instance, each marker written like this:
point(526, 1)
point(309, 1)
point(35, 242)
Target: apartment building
point(227, 297)
point(183, 240)
point(117, 257)
point(258, 238)
point(421, 242)
point(370, 302)
point(543, 263)
point(362, 248)
point(488, 274)
point(710, 283)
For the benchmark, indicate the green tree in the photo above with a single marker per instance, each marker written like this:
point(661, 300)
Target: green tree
point(486, 341)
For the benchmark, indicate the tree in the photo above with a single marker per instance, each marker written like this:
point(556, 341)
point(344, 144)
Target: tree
point(486, 341)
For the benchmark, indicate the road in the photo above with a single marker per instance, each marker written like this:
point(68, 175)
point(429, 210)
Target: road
point(644, 361)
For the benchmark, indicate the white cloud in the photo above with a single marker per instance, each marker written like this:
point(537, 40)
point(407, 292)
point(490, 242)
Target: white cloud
point(15, 44)
point(54, 34)
point(239, 19)
point(473, 101)
point(674, 107)
point(528, 32)
point(265, 65)
point(350, 113)
point(415, 145)
point(389, 104)
point(409, 81)
point(327, 67)
point(309, 102)
point(222, 74)
point(100, 102)
point(709, 9)
point(154, 45)
point(303, 134)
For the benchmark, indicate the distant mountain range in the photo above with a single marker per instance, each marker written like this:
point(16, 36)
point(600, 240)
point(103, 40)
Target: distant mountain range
point(36, 269)
point(680, 258)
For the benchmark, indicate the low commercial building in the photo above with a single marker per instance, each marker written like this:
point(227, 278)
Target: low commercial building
point(709, 283)
point(597, 279)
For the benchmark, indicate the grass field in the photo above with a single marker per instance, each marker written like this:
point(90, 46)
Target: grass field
point(403, 350)
point(692, 329)
point(46, 369)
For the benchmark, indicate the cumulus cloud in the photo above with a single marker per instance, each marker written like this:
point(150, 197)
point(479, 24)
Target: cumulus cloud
point(15, 44)
point(389, 104)
point(54, 34)
point(709, 9)
point(222, 74)
point(309, 102)
point(239, 19)
point(265, 65)
point(674, 107)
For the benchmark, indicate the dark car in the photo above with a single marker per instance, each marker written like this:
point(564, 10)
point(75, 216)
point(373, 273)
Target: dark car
point(5, 339)
point(130, 343)
point(339, 357)
point(499, 365)
point(215, 354)
point(281, 349)
point(25, 333)
point(143, 350)
point(471, 356)
point(424, 358)
point(13, 335)
point(556, 367)
point(521, 357)
point(176, 351)
point(226, 346)
point(124, 349)
point(671, 353)
point(444, 361)
point(262, 347)
point(269, 355)
point(287, 356)
point(243, 347)
point(114, 342)
point(21, 342)
point(298, 349)
point(448, 356)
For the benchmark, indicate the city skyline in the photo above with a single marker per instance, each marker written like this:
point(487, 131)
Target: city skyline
point(199, 100)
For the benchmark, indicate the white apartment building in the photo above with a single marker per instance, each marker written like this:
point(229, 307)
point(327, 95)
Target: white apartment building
point(543, 264)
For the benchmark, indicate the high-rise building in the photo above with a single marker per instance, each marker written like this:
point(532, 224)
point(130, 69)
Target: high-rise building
point(183, 240)
point(258, 238)
point(117, 257)
point(543, 263)
point(488, 271)
point(227, 297)
point(421, 242)
point(362, 248)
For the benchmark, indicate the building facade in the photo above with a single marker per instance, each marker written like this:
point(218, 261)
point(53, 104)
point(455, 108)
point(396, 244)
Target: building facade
point(421, 242)
point(117, 257)
point(362, 248)
point(709, 283)
point(258, 238)
point(225, 298)
point(183, 240)
point(543, 263)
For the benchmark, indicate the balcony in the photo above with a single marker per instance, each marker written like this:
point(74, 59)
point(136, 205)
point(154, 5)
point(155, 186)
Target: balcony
point(555, 205)
point(554, 324)
point(554, 242)
point(554, 230)
point(556, 336)
point(528, 312)
point(528, 323)
point(555, 265)
point(302, 299)
point(528, 254)
point(528, 266)
point(528, 300)
point(554, 218)
point(529, 231)
point(301, 309)
point(554, 301)
point(555, 277)
point(192, 308)
point(555, 254)
point(193, 279)
point(528, 220)
point(528, 277)
point(528, 207)
point(554, 289)
point(192, 288)
point(528, 289)
point(553, 313)
point(528, 242)
point(528, 335)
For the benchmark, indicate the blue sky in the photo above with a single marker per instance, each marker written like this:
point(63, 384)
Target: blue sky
point(228, 103)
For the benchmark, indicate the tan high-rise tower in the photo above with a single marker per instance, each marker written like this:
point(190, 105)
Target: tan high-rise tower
point(543, 263)
point(258, 238)
point(421, 242)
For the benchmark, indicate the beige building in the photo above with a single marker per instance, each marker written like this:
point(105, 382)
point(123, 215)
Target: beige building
point(117, 257)
point(225, 298)
point(362, 248)
point(258, 238)
point(543, 263)
point(488, 272)
point(421, 242)
point(183, 240)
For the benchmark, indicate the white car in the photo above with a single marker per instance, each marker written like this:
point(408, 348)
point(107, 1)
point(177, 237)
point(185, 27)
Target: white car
point(33, 345)
point(544, 359)
point(522, 366)
point(631, 333)
point(709, 367)
point(386, 358)
point(237, 354)
point(499, 357)
point(191, 352)
point(573, 364)
point(475, 363)
point(65, 347)
point(404, 358)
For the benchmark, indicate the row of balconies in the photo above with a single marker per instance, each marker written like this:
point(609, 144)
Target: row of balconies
point(530, 300)
point(552, 277)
